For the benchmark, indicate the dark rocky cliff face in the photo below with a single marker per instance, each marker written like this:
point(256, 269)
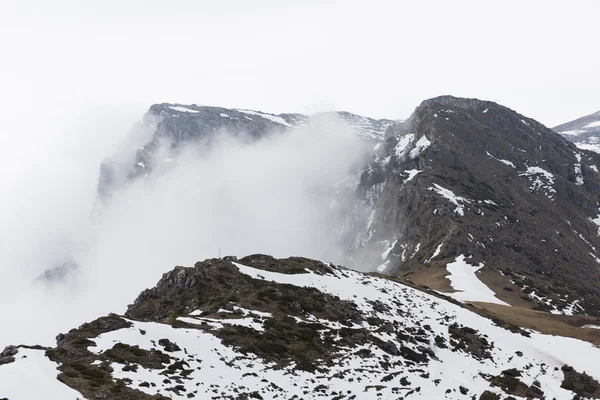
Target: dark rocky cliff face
point(471, 177)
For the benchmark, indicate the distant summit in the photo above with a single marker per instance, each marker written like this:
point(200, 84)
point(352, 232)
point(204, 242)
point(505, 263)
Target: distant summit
point(181, 124)
point(584, 131)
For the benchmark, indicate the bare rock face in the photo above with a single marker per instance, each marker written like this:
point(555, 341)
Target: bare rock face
point(470, 177)
point(7, 355)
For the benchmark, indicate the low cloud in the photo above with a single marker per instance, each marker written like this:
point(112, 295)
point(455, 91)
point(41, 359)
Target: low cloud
point(231, 195)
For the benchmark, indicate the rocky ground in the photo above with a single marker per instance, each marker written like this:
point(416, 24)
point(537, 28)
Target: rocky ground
point(296, 328)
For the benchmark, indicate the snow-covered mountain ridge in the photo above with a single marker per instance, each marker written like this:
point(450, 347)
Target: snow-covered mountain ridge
point(179, 125)
point(584, 131)
point(295, 328)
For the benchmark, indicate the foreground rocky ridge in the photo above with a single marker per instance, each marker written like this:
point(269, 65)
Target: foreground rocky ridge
point(471, 178)
point(296, 328)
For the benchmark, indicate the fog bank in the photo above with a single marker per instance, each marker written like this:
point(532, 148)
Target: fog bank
point(234, 196)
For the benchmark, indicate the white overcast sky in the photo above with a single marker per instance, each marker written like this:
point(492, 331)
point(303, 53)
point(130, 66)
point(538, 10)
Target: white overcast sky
point(377, 58)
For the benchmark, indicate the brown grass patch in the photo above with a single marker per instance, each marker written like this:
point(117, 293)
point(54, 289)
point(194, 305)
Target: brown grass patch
point(560, 325)
point(433, 277)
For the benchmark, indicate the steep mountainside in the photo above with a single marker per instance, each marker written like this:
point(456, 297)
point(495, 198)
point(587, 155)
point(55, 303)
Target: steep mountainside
point(584, 131)
point(177, 125)
point(470, 180)
point(263, 328)
point(461, 177)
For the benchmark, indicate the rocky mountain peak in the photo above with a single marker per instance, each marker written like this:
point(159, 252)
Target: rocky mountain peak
point(473, 178)
point(458, 103)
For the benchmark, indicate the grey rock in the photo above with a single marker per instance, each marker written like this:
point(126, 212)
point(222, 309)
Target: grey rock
point(59, 272)
point(427, 351)
point(239, 311)
point(390, 348)
point(6, 360)
point(9, 351)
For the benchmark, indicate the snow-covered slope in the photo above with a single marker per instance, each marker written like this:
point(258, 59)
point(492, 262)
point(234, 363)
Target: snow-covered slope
point(584, 132)
point(295, 328)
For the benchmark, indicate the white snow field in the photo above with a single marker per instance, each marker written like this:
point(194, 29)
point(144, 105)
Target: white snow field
point(33, 376)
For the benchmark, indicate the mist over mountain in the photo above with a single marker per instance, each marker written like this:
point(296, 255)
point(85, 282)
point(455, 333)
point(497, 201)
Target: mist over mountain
point(230, 192)
point(333, 200)
point(475, 228)
point(167, 130)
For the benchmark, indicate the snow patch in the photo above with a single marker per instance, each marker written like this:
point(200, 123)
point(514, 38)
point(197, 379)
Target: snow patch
point(383, 266)
point(470, 288)
point(33, 376)
point(421, 145)
point(506, 162)
point(411, 174)
point(589, 146)
point(541, 180)
point(591, 326)
point(595, 124)
point(573, 132)
point(270, 117)
point(577, 168)
point(403, 144)
point(183, 109)
point(387, 251)
point(435, 253)
point(456, 200)
point(596, 221)
point(417, 247)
